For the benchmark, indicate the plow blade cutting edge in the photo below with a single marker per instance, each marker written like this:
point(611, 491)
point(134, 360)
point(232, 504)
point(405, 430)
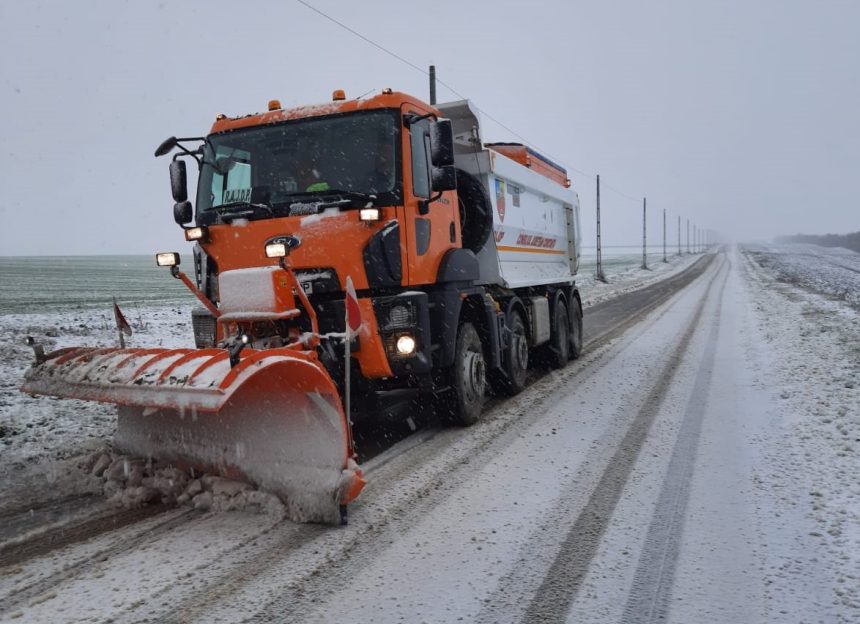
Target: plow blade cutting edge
point(274, 419)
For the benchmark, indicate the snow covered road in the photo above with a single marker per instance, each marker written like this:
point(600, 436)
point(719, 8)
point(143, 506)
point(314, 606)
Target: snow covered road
point(700, 466)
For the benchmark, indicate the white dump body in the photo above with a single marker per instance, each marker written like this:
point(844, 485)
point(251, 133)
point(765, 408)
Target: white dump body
point(536, 236)
point(535, 223)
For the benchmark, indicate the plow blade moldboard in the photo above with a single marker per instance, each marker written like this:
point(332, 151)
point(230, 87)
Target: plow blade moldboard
point(274, 419)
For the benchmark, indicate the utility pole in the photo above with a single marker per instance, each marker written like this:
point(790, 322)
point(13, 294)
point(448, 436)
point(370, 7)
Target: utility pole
point(688, 236)
point(664, 236)
point(599, 273)
point(679, 235)
point(644, 238)
point(432, 85)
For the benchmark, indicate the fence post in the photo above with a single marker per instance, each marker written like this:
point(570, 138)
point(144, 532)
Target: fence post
point(644, 237)
point(688, 236)
point(664, 236)
point(599, 272)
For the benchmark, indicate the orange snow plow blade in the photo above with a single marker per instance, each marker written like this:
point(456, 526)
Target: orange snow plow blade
point(275, 418)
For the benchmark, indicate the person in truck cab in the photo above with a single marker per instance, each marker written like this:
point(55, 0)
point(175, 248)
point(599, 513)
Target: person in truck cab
point(309, 180)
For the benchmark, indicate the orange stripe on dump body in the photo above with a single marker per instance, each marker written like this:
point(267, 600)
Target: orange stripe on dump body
point(530, 250)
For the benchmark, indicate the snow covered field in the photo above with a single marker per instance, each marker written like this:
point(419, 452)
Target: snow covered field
point(828, 270)
point(699, 467)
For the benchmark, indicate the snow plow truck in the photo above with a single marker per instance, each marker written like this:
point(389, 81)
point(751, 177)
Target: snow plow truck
point(457, 257)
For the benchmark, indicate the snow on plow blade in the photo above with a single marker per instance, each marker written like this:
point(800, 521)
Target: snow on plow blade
point(274, 419)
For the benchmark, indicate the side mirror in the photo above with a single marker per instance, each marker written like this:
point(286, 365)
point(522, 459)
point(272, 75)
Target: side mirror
point(183, 212)
point(444, 178)
point(166, 146)
point(442, 143)
point(178, 181)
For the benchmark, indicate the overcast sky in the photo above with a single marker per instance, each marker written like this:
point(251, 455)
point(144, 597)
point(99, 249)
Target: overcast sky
point(743, 116)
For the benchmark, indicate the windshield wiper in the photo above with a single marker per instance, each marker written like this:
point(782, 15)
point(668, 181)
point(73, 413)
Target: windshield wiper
point(237, 210)
point(349, 194)
point(348, 198)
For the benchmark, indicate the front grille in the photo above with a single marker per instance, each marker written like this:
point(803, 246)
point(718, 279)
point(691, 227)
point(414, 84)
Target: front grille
point(204, 328)
point(399, 316)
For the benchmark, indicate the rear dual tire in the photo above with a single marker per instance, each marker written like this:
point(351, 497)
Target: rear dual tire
point(512, 380)
point(559, 342)
point(575, 329)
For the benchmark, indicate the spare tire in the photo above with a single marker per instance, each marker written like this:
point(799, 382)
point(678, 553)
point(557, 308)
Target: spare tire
point(476, 211)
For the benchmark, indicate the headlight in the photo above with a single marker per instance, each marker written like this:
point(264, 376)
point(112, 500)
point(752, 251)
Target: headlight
point(406, 345)
point(276, 250)
point(195, 233)
point(369, 214)
point(167, 259)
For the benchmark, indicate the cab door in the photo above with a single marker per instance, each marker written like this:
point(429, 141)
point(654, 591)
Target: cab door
point(427, 236)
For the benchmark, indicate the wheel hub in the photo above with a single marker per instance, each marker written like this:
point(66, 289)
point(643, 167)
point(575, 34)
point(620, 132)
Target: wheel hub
point(521, 351)
point(475, 374)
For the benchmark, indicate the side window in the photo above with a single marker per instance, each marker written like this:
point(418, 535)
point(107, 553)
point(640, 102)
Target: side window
point(231, 181)
point(238, 188)
point(419, 138)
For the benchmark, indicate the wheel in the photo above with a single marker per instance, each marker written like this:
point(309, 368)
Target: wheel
point(575, 329)
point(469, 377)
point(559, 342)
point(516, 364)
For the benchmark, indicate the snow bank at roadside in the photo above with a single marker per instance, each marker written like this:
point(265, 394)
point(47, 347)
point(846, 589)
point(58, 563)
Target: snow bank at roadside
point(623, 280)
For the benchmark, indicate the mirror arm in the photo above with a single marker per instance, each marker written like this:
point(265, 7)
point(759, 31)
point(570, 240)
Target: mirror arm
point(424, 205)
point(189, 153)
point(412, 118)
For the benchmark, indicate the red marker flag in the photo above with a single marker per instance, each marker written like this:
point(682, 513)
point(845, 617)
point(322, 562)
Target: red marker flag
point(121, 324)
point(353, 312)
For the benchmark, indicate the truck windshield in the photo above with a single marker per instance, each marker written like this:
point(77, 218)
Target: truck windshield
point(270, 170)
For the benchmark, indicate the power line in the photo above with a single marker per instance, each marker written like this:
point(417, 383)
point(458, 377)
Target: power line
point(622, 193)
point(360, 36)
point(462, 97)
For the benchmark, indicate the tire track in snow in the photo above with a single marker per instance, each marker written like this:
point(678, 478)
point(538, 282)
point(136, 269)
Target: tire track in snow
point(57, 536)
point(563, 579)
point(33, 592)
point(249, 567)
point(22, 525)
point(654, 577)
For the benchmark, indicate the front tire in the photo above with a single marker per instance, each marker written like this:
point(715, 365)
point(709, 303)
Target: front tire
point(469, 377)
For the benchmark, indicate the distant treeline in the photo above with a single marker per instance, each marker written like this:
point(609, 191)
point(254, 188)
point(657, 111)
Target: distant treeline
point(849, 241)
